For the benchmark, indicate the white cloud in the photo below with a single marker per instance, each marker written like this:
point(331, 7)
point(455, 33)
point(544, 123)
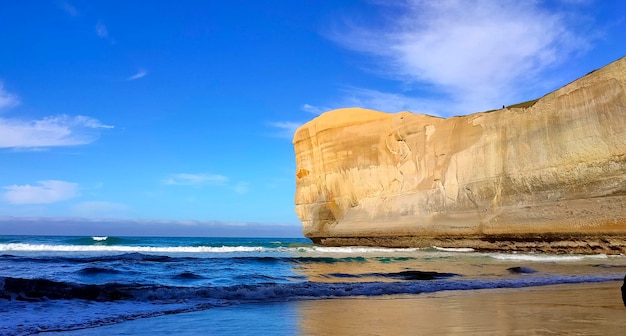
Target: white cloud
point(241, 188)
point(7, 99)
point(383, 101)
point(206, 180)
point(185, 179)
point(48, 191)
point(143, 227)
point(387, 102)
point(315, 109)
point(476, 53)
point(359, 97)
point(100, 209)
point(85, 121)
point(61, 130)
point(286, 129)
point(140, 74)
point(577, 2)
point(68, 8)
point(101, 30)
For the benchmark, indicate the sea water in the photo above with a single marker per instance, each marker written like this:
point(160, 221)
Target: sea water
point(67, 283)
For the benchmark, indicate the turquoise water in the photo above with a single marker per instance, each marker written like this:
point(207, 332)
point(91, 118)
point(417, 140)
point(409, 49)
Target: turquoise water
point(83, 282)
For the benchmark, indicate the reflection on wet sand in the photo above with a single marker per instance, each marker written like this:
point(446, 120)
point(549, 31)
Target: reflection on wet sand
point(582, 309)
point(382, 268)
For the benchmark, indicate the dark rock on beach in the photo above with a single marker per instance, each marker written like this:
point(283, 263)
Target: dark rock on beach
point(624, 292)
point(521, 270)
point(420, 275)
point(404, 275)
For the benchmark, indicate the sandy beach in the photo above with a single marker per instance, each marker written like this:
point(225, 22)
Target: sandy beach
point(581, 309)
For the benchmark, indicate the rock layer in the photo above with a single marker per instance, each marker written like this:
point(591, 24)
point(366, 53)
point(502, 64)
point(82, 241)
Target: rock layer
point(544, 175)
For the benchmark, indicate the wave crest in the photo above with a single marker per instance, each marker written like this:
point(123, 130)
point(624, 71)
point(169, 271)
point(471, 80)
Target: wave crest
point(43, 289)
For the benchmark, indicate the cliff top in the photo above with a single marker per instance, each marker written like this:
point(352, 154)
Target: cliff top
point(355, 115)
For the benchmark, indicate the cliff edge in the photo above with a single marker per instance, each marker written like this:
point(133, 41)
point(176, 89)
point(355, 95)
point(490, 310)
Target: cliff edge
point(547, 175)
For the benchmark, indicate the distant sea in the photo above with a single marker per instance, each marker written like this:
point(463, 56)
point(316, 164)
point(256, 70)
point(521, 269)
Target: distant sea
point(50, 283)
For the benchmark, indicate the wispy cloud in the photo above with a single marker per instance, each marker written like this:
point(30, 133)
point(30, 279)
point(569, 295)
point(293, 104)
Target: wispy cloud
point(48, 191)
point(185, 179)
point(358, 97)
point(207, 180)
point(68, 8)
point(472, 53)
point(140, 74)
point(286, 129)
point(61, 130)
point(102, 30)
point(381, 101)
point(317, 110)
point(100, 209)
point(241, 188)
point(142, 227)
point(7, 99)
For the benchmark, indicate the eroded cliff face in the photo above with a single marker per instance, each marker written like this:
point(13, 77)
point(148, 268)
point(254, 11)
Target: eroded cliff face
point(548, 176)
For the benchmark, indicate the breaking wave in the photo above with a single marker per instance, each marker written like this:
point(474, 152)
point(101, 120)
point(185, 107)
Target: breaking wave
point(142, 257)
point(546, 257)
point(43, 289)
point(112, 247)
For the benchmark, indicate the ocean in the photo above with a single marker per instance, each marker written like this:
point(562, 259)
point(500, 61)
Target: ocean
point(63, 284)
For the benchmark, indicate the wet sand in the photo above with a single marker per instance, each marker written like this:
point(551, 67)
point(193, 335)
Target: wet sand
point(581, 309)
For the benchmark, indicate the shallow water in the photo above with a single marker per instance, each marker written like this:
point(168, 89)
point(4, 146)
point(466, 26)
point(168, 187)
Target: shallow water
point(580, 309)
point(66, 283)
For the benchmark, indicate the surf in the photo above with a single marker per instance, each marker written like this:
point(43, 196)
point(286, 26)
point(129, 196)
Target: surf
point(25, 247)
point(43, 289)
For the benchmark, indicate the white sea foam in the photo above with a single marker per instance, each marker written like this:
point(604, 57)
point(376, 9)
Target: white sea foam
point(122, 248)
point(311, 290)
point(196, 249)
point(454, 249)
point(99, 238)
point(356, 249)
point(546, 257)
point(25, 318)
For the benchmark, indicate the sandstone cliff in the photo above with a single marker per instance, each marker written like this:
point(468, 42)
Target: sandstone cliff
point(544, 175)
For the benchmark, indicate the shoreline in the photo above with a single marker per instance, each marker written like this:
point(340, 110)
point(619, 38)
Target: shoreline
point(610, 244)
point(581, 309)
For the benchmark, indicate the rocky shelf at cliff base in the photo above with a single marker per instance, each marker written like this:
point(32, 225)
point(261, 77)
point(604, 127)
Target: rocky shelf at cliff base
point(546, 175)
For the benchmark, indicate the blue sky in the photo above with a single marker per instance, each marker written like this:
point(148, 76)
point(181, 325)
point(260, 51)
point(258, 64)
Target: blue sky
point(118, 114)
